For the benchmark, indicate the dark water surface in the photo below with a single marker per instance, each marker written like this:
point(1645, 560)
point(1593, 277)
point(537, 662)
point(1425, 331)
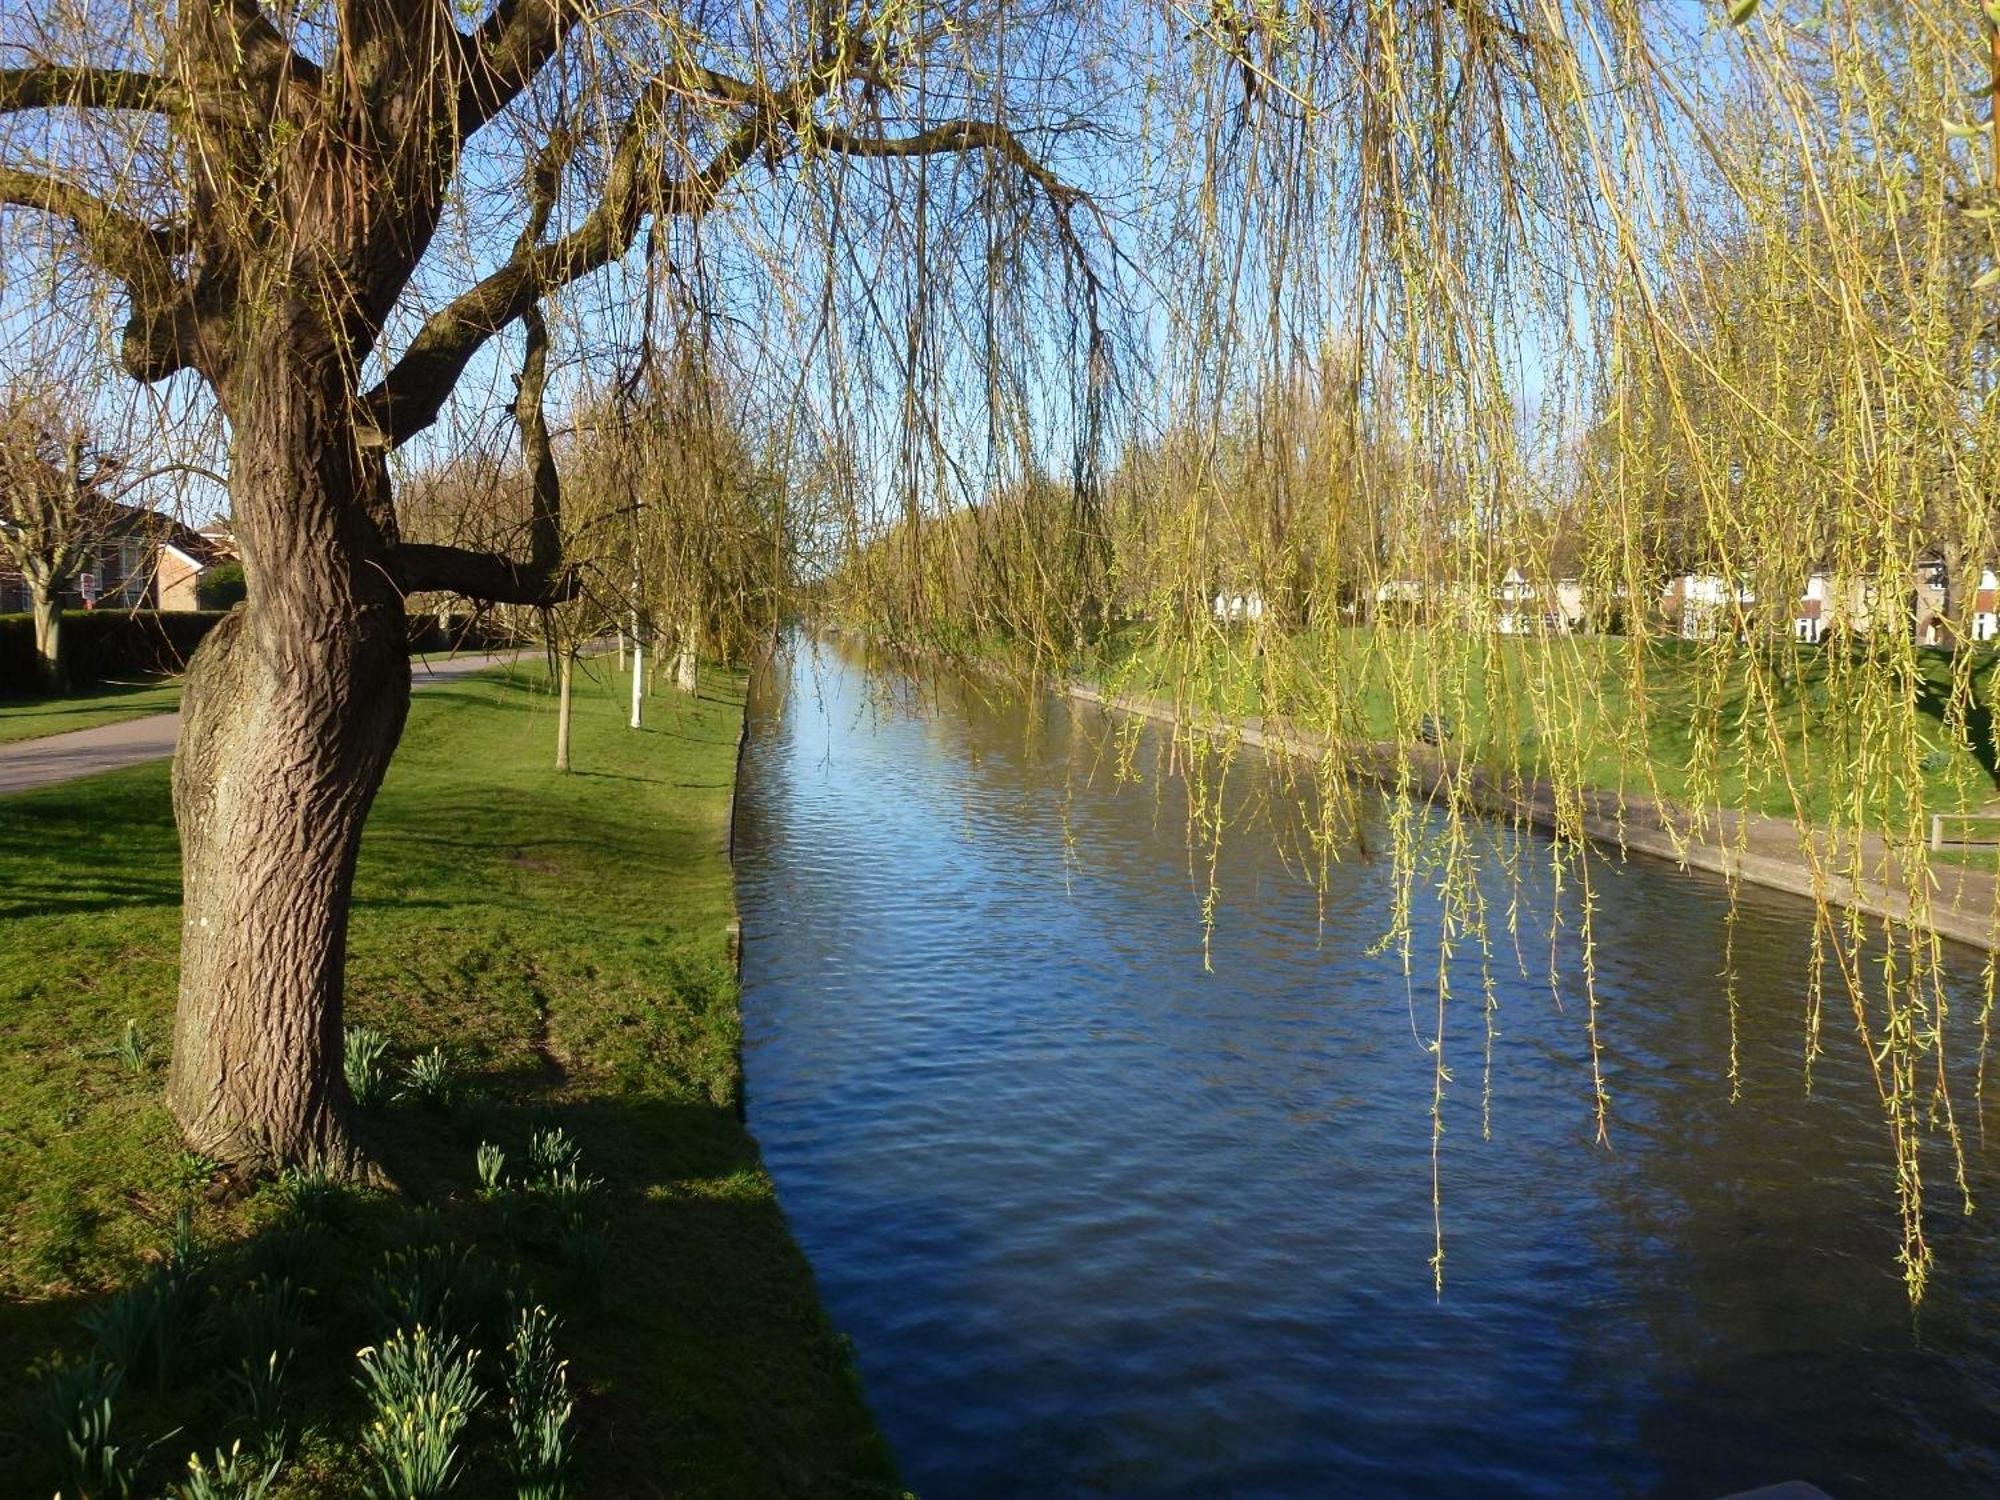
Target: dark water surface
point(1100, 1223)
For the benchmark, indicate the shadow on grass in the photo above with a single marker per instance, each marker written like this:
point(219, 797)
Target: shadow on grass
point(1933, 700)
point(85, 700)
point(95, 846)
point(699, 1359)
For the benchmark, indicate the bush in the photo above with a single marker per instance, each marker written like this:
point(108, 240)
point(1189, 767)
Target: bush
point(103, 643)
point(221, 587)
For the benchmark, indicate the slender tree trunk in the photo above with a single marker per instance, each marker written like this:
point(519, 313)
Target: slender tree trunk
point(565, 674)
point(49, 661)
point(621, 647)
point(687, 665)
point(292, 708)
point(638, 677)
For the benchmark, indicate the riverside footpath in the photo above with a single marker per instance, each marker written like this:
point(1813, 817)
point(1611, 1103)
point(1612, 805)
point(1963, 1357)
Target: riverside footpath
point(1960, 903)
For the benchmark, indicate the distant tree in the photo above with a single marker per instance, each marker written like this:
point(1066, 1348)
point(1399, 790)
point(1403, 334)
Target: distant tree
point(222, 586)
point(55, 509)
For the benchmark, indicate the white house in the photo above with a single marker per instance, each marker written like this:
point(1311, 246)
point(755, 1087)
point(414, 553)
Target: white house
point(1985, 611)
point(1248, 606)
point(1698, 605)
point(1521, 608)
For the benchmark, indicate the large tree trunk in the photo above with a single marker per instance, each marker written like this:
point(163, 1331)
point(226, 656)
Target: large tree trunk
point(49, 661)
point(292, 708)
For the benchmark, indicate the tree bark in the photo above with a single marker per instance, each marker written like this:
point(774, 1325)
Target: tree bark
point(292, 708)
point(49, 661)
point(565, 674)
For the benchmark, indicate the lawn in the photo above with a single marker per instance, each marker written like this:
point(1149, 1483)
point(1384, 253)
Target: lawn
point(108, 703)
point(1611, 711)
point(564, 940)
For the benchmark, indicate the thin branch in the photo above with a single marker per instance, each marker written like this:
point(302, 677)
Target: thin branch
point(414, 391)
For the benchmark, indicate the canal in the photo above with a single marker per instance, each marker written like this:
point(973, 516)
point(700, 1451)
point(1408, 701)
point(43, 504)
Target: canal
point(1101, 1222)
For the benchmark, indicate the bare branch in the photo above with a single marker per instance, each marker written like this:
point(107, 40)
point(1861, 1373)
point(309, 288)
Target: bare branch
point(160, 336)
point(507, 50)
point(422, 567)
point(54, 86)
point(411, 395)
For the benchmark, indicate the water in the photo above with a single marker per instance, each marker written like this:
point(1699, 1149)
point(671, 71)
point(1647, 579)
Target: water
point(1101, 1223)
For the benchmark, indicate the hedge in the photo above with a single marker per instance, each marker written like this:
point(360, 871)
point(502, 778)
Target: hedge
point(101, 644)
point(115, 644)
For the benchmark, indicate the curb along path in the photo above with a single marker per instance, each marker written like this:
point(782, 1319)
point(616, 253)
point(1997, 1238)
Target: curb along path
point(56, 758)
point(1778, 853)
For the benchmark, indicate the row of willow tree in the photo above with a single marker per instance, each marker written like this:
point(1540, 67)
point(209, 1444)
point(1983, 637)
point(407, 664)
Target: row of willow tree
point(679, 528)
point(1730, 321)
point(1067, 317)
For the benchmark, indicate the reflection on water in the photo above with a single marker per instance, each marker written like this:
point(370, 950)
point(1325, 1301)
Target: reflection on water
point(1101, 1223)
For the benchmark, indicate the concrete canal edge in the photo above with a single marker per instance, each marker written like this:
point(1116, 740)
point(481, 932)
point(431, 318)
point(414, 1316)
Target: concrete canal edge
point(1751, 852)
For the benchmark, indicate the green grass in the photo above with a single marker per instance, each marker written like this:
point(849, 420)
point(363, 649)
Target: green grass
point(1633, 708)
point(565, 939)
point(109, 703)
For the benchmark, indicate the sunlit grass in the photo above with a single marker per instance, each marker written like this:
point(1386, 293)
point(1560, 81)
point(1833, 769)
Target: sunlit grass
point(1634, 694)
point(563, 938)
point(109, 703)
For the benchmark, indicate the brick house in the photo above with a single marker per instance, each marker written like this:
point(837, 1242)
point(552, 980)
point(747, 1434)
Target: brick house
point(144, 560)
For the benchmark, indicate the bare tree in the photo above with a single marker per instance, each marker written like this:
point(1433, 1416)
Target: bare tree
point(55, 508)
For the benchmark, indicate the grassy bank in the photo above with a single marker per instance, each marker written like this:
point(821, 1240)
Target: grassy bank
point(1627, 711)
point(31, 718)
point(563, 938)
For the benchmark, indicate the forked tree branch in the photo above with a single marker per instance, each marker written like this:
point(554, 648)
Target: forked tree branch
point(505, 52)
point(244, 44)
point(121, 243)
point(160, 335)
point(413, 392)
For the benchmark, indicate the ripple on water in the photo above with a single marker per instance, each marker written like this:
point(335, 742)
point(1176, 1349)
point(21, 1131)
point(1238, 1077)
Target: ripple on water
point(1102, 1222)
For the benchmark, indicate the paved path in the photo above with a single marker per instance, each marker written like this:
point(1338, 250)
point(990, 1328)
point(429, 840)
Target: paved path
point(1960, 902)
point(26, 764)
